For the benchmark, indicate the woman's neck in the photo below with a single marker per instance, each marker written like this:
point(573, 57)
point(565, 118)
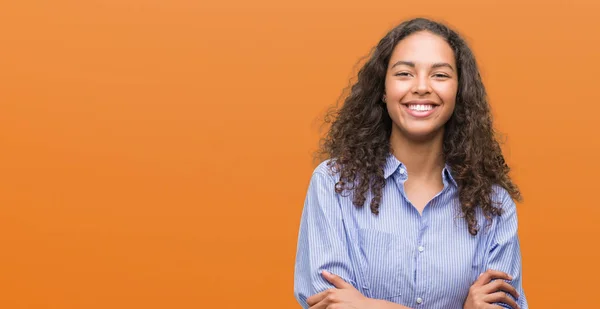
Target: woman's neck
point(423, 159)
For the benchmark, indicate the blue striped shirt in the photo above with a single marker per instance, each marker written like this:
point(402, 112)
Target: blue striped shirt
point(426, 260)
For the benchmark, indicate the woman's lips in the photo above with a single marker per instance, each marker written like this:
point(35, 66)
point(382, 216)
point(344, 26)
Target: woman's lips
point(419, 113)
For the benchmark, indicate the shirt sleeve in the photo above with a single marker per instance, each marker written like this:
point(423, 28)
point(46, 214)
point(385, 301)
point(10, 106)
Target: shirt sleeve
point(504, 253)
point(322, 243)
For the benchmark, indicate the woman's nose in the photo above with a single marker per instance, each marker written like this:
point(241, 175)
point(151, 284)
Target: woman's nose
point(422, 85)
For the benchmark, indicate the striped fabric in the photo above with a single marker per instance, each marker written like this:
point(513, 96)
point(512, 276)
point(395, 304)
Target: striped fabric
point(419, 261)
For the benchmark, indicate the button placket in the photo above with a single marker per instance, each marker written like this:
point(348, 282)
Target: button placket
point(421, 279)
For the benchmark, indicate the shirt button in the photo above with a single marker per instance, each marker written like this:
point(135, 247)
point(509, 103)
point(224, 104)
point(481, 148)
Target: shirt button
point(419, 300)
point(402, 171)
point(421, 249)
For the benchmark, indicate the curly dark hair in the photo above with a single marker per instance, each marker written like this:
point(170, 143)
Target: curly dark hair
point(359, 133)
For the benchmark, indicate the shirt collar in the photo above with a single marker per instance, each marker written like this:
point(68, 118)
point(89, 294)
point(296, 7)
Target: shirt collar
point(392, 164)
point(448, 174)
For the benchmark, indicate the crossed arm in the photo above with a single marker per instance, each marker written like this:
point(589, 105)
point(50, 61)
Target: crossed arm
point(322, 246)
point(483, 294)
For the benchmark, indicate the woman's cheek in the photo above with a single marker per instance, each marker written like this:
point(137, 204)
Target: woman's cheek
point(447, 91)
point(397, 90)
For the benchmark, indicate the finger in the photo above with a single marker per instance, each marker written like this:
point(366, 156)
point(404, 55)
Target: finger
point(501, 285)
point(336, 280)
point(331, 296)
point(489, 275)
point(321, 305)
point(482, 279)
point(314, 299)
point(501, 297)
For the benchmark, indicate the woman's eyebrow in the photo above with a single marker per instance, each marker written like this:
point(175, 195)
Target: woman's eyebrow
point(442, 64)
point(408, 63)
point(433, 66)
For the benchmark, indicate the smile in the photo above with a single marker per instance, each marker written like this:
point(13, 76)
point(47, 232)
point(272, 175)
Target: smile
point(419, 110)
point(421, 107)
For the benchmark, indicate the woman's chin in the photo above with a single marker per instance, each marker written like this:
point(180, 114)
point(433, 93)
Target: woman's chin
point(421, 133)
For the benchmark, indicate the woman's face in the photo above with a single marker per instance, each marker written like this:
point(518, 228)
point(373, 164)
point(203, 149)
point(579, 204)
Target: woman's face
point(421, 85)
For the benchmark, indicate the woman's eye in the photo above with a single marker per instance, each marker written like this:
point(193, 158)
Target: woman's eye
point(440, 75)
point(402, 74)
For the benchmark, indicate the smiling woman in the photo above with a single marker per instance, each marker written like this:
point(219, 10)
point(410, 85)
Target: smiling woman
point(414, 141)
point(421, 84)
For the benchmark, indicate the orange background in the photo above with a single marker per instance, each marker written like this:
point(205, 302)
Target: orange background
point(156, 154)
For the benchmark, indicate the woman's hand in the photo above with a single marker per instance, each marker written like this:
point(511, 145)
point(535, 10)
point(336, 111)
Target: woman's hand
point(344, 296)
point(485, 292)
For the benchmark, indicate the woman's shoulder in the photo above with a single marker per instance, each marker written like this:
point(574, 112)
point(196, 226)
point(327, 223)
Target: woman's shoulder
point(502, 198)
point(500, 194)
point(326, 167)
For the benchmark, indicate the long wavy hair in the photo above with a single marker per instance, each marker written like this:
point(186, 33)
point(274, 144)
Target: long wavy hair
point(359, 134)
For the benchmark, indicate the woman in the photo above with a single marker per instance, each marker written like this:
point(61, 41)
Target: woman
point(414, 207)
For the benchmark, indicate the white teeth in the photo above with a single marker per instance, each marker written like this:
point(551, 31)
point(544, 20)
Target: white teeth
point(420, 107)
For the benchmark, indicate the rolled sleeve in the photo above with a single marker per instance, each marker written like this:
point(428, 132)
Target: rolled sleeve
point(504, 253)
point(322, 243)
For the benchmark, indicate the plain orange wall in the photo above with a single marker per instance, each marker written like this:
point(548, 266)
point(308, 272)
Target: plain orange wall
point(156, 154)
